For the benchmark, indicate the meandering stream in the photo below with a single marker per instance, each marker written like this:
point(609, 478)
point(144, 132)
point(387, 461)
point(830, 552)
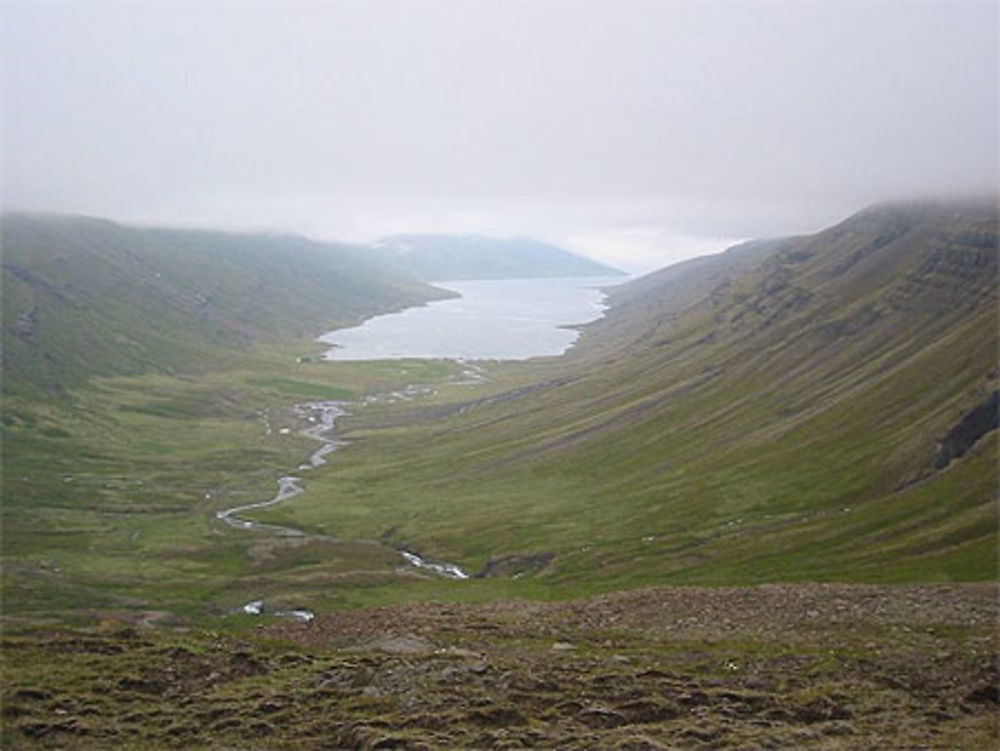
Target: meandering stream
point(323, 415)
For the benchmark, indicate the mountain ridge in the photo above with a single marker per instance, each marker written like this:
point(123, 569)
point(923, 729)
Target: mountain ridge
point(438, 257)
point(85, 296)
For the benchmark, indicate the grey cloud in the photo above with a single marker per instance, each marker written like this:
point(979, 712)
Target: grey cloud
point(552, 117)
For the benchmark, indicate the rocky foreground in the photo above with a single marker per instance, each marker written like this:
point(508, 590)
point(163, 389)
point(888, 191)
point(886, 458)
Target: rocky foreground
point(804, 666)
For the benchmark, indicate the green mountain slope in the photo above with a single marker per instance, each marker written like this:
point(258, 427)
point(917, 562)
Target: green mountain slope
point(84, 297)
point(449, 257)
point(774, 413)
point(818, 408)
point(809, 409)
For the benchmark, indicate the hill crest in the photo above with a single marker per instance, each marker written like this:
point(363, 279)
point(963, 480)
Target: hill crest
point(450, 257)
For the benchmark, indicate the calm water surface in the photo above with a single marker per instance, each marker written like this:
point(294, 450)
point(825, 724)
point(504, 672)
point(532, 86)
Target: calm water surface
point(496, 319)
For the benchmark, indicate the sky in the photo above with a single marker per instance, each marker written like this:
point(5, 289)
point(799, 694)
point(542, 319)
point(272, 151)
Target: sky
point(636, 131)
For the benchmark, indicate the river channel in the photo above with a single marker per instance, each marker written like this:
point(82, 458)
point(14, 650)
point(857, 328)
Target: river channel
point(322, 416)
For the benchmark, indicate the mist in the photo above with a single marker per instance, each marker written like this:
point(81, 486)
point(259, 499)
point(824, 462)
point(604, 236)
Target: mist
point(639, 132)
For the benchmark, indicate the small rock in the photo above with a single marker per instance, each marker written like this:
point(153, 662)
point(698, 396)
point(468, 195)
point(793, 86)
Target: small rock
point(562, 646)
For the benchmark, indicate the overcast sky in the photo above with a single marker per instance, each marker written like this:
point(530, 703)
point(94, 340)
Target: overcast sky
point(636, 130)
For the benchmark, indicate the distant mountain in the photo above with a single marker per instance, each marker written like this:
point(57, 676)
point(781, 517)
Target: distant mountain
point(84, 297)
point(443, 257)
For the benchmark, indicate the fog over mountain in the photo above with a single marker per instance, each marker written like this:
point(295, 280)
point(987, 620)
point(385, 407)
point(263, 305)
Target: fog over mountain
point(638, 131)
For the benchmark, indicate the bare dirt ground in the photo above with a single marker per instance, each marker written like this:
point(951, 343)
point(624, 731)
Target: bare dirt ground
point(803, 666)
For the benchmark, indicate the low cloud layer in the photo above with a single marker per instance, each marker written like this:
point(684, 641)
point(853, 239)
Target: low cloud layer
point(570, 120)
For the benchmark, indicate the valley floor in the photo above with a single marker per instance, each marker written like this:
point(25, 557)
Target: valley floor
point(777, 666)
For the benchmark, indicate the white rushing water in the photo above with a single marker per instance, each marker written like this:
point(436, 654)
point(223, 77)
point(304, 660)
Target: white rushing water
point(445, 569)
point(495, 319)
point(256, 607)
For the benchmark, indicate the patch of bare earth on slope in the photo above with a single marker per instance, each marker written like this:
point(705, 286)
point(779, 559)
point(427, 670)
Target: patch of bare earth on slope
point(818, 666)
point(804, 666)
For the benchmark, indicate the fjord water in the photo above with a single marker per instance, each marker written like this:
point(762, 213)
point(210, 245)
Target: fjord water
point(496, 319)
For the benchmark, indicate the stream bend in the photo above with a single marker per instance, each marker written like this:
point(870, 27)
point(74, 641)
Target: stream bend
point(323, 415)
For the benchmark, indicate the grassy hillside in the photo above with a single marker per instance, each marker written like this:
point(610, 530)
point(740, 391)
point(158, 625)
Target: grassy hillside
point(782, 423)
point(810, 409)
point(816, 408)
point(450, 257)
point(85, 297)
